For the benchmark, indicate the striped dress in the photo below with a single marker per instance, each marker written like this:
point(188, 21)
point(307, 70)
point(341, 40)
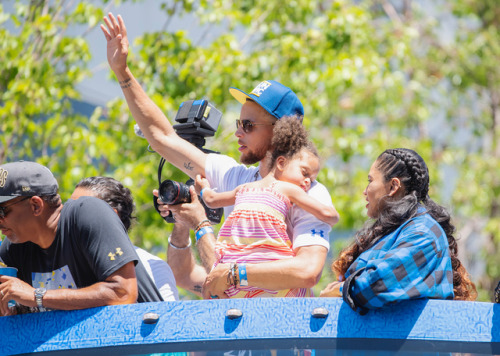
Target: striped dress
point(255, 232)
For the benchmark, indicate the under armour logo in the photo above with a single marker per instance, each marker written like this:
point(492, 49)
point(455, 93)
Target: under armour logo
point(118, 252)
point(320, 232)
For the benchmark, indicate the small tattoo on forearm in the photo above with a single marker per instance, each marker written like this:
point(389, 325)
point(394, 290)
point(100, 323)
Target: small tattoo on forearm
point(197, 288)
point(127, 83)
point(188, 165)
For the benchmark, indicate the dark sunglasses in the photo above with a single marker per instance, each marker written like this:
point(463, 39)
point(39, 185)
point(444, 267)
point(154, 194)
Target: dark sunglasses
point(248, 125)
point(3, 214)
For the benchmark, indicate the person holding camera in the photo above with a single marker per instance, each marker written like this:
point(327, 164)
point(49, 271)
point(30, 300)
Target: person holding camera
point(68, 257)
point(267, 103)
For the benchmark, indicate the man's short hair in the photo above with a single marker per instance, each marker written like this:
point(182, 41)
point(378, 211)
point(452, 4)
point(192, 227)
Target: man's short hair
point(53, 201)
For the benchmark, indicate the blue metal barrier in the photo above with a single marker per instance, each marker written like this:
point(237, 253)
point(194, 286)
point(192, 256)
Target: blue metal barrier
point(287, 324)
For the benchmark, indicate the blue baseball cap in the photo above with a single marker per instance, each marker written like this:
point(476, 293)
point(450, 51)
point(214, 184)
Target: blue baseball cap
point(274, 97)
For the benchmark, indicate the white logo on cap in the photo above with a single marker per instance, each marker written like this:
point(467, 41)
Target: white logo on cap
point(3, 177)
point(259, 89)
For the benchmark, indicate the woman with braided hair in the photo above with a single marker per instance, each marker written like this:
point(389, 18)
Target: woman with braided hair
point(408, 251)
point(256, 231)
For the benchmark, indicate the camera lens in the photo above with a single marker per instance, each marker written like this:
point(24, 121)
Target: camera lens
point(172, 192)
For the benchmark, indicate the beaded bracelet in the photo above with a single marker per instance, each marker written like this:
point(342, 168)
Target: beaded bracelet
point(233, 277)
point(202, 223)
point(203, 231)
point(236, 275)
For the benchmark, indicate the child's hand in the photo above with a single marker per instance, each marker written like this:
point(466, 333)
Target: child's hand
point(200, 183)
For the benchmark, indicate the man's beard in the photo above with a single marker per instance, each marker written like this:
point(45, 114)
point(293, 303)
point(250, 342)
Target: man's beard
point(254, 157)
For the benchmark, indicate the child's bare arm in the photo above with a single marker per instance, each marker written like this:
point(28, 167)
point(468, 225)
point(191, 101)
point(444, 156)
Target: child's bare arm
point(298, 196)
point(214, 199)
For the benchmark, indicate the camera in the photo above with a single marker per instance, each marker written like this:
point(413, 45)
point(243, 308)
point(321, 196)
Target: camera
point(197, 119)
point(172, 192)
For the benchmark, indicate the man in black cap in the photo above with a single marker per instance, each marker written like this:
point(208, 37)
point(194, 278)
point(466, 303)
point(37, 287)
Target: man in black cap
point(72, 257)
point(267, 102)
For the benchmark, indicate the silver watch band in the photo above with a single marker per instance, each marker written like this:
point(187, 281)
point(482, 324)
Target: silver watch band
point(39, 294)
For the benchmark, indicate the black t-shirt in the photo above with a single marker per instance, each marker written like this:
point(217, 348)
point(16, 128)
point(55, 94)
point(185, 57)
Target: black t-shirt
point(91, 243)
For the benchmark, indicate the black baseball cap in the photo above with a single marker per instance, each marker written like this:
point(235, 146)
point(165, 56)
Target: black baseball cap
point(25, 178)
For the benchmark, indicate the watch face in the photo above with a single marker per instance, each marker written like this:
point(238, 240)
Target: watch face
point(40, 292)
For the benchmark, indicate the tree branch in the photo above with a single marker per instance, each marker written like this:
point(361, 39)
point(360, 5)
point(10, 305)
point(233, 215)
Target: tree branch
point(391, 12)
point(253, 29)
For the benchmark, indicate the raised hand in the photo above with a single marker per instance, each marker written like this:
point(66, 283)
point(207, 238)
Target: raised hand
point(116, 36)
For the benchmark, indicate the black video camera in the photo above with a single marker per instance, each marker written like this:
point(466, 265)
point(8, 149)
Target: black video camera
point(197, 119)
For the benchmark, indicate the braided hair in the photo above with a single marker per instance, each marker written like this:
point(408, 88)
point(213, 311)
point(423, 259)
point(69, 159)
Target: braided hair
point(114, 193)
point(411, 170)
point(289, 138)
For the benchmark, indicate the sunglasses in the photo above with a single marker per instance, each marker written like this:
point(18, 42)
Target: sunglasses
point(3, 213)
point(248, 125)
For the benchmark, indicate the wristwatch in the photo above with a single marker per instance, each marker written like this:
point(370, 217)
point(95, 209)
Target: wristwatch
point(39, 293)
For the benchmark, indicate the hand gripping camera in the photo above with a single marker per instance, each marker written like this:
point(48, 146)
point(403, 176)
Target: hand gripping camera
point(196, 119)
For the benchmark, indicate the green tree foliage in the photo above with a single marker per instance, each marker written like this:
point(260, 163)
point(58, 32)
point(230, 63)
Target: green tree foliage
point(371, 75)
point(475, 76)
point(39, 68)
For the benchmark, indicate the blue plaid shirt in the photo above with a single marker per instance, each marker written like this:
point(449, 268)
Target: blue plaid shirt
point(411, 262)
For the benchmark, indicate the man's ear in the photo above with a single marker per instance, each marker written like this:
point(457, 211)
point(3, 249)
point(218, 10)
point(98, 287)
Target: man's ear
point(395, 186)
point(37, 205)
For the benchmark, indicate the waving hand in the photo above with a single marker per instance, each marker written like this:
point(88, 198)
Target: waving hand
point(116, 36)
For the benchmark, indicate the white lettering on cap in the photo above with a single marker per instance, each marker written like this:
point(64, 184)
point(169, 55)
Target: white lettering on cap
point(259, 89)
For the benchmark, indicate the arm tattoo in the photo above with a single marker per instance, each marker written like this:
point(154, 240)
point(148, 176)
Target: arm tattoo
point(197, 288)
point(125, 83)
point(188, 166)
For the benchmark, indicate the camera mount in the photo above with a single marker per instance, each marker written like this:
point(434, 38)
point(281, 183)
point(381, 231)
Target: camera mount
point(196, 119)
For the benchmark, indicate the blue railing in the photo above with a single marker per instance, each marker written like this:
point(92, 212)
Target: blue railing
point(264, 324)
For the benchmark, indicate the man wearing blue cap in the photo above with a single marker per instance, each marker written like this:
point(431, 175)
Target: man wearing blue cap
point(68, 257)
point(265, 104)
